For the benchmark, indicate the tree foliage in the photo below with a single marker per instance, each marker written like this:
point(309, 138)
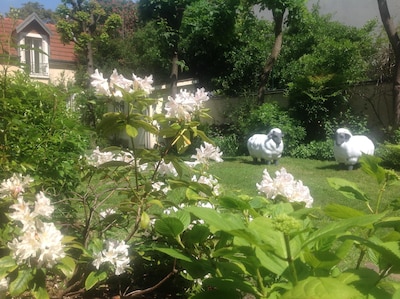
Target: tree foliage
point(208, 33)
point(46, 15)
point(320, 60)
point(83, 22)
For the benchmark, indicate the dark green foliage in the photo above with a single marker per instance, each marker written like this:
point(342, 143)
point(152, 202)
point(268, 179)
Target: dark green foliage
point(208, 33)
point(320, 60)
point(38, 135)
point(390, 155)
point(248, 119)
point(246, 56)
point(316, 150)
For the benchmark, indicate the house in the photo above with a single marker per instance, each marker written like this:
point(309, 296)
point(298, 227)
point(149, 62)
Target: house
point(32, 45)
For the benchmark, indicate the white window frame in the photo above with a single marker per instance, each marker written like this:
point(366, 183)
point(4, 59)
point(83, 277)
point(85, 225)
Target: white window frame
point(38, 60)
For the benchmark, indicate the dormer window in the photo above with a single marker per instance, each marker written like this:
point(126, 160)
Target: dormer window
point(34, 54)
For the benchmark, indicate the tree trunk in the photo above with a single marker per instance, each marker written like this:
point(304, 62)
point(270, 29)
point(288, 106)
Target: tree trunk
point(174, 75)
point(276, 49)
point(90, 64)
point(395, 42)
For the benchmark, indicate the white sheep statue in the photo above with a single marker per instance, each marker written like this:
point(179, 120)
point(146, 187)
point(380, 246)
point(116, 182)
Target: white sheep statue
point(348, 148)
point(266, 147)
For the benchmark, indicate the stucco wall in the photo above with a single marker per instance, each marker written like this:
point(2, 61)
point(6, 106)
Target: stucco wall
point(372, 100)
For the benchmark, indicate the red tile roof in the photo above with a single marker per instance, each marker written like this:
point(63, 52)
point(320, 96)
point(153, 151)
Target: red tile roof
point(58, 50)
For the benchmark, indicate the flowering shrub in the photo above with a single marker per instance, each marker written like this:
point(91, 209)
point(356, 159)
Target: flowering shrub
point(153, 205)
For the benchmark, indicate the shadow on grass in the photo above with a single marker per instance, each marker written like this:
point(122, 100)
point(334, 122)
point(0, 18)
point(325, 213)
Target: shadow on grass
point(338, 167)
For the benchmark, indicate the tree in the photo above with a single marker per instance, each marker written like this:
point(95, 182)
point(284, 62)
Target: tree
point(289, 9)
point(170, 12)
point(46, 15)
point(395, 42)
point(83, 21)
point(321, 59)
point(208, 32)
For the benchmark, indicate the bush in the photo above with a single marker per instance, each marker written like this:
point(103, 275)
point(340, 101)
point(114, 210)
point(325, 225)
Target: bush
point(248, 119)
point(390, 155)
point(38, 134)
point(316, 150)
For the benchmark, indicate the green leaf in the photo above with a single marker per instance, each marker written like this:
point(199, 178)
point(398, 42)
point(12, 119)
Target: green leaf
point(389, 251)
point(204, 137)
point(94, 278)
point(347, 188)
point(20, 284)
point(131, 131)
point(169, 226)
point(174, 253)
point(227, 284)
point(370, 165)
point(233, 203)
point(337, 211)
point(198, 234)
point(7, 262)
point(144, 220)
point(67, 266)
point(322, 288)
point(217, 294)
point(146, 126)
point(39, 289)
point(220, 221)
point(338, 228)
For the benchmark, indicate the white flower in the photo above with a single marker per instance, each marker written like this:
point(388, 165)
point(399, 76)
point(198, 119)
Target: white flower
point(42, 205)
point(206, 153)
point(23, 214)
point(98, 157)
point(120, 82)
point(42, 243)
point(25, 247)
point(209, 181)
point(100, 84)
point(185, 103)
point(285, 185)
point(143, 84)
point(176, 108)
point(51, 249)
point(116, 254)
point(167, 169)
point(14, 185)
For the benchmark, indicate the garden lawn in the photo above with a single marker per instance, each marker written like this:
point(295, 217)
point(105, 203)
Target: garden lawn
point(239, 175)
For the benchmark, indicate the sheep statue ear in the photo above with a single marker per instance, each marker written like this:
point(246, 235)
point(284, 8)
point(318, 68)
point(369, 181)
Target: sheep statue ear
point(347, 137)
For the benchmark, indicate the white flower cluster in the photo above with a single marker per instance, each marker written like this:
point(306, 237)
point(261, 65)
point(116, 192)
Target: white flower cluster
point(285, 185)
point(185, 104)
point(209, 181)
point(116, 254)
point(118, 82)
point(14, 185)
point(167, 169)
point(206, 153)
point(40, 243)
point(98, 157)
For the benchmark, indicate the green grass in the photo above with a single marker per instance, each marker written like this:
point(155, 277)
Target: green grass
point(239, 175)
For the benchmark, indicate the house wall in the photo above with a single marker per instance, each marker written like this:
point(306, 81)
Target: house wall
point(61, 75)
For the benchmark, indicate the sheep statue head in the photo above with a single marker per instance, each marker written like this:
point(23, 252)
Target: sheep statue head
point(348, 148)
point(266, 147)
